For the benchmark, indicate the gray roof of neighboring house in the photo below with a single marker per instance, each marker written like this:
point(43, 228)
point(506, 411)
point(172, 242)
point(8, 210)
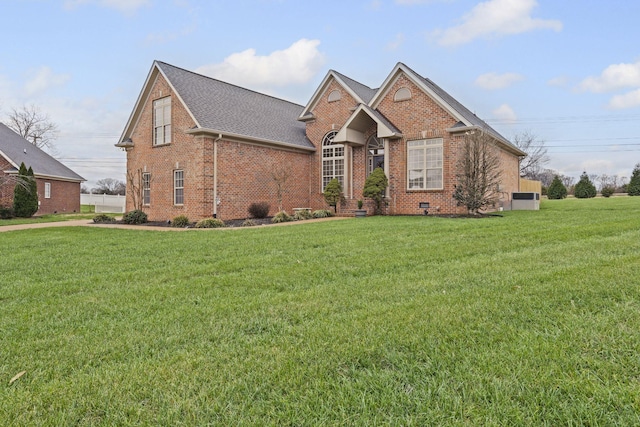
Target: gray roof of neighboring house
point(17, 150)
point(364, 92)
point(228, 108)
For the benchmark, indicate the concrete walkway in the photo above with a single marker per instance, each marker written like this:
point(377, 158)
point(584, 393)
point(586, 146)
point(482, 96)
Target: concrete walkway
point(90, 223)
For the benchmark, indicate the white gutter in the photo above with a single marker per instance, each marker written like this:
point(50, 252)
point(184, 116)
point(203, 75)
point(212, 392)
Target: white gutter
point(215, 175)
point(249, 138)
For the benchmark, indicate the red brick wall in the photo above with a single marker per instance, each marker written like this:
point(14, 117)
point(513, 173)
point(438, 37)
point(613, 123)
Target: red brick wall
point(65, 197)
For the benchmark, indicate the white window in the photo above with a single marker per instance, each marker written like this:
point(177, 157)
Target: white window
point(178, 187)
point(146, 188)
point(332, 160)
point(162, 121)
point(47, 190)
point(424, 164)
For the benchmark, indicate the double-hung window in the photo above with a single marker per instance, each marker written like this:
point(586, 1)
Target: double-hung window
point(146, 188)
point(162, 121)
point(424, 164)
point(332, 160)
point(47, 190)
point(178, 187)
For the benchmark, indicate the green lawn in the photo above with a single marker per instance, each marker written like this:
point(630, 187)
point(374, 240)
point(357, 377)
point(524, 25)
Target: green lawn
point(46, 218)
point(528, 319)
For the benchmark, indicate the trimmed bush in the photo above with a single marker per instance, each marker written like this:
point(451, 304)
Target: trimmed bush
point(25, 200)
point(333, 193)
point(103, 219)
point(302, 215)
point(322, 213)
point(181, 221)
point(281, 216)
point(607, 191)
point(6, 213)
point(249, 223)
point(556, 190)
point(210, 223)
point(374, 188)
point(585, 189)
point(259, 210)
point(134, 217)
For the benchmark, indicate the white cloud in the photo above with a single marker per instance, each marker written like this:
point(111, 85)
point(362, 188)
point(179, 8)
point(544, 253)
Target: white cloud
point(505, 113)
point(43, 79)
point(125, 6)
point(296, 64)
point(396, 42)
point(559, 81)
point(628, 100)
point(495, 18)
point(613, 77)
point(493, 81)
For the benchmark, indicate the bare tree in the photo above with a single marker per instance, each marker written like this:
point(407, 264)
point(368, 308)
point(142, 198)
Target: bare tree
point(478, 172)
point(135, 188)
point(109, 186)
point(280, 176)
point(531, 165)
point(33, 125)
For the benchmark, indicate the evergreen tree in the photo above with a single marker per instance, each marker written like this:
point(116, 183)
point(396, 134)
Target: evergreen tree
point(333, 193)
point(556, 190)
point(584, 188)
point(33, 190)
point(374, 187)
point(22, 194)
point(633, 188)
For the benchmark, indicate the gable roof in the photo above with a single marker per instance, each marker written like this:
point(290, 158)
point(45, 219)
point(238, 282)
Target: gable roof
point(15, 149)
point(466, 119)
point(219, 107)
point(361, 93)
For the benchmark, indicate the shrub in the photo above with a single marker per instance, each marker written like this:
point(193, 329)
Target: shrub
point(607, 191)
point(134, 217)
point(333, 193)
point(181, 221)
point(281, 216)
point(25, 194)
point(6, 213)
point(103, 219)
point(322, 213)
point(249, 223)
point(556, 190)
point(302, 215)
point(259, 210)
point(633, 187)
point(374, 188)
point(210, 223)
point(585, 189)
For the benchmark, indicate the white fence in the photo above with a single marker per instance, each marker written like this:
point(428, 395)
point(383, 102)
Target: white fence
point(104, 202)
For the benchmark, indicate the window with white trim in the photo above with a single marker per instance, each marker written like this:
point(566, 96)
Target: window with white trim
point(178, 187)
point(47, 190)
point(332, 160)
point(162, 121)
point(375, 154)
point(424, 164)
point(146, 188)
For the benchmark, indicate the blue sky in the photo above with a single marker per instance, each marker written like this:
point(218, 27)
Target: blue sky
point(566, 71)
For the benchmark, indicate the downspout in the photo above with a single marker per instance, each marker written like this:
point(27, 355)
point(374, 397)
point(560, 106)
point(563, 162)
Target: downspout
point(215, 175)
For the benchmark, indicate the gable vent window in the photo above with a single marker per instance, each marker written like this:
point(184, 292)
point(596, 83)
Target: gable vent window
point(335, 95)
point(162, 121)
point(402, 94)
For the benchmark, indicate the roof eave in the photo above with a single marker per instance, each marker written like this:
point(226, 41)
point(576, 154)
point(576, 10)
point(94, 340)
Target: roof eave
point(221, 134)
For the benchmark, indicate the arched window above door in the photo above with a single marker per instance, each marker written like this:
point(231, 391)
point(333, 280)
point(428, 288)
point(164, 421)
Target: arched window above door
point(375, 153)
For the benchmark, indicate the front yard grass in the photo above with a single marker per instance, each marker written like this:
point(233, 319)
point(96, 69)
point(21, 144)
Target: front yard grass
point(46, 218)
point(528, 319)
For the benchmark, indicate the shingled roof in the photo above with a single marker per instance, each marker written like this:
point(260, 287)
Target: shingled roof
point(226, 108)
point(15, 149)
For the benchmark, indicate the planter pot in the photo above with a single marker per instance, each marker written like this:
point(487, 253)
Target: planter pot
point(361, 213)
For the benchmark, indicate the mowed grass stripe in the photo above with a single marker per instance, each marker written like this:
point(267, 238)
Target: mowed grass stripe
point(530, 318)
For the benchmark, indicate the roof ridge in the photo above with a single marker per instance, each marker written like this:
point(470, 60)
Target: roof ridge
point(230, 84)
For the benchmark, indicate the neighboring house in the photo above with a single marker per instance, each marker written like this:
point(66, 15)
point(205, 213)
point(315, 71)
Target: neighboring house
point(58, 186)
point(200, 147)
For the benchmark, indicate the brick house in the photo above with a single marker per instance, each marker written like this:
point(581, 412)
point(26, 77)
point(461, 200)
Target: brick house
point(58, 186)
point(200, 147)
